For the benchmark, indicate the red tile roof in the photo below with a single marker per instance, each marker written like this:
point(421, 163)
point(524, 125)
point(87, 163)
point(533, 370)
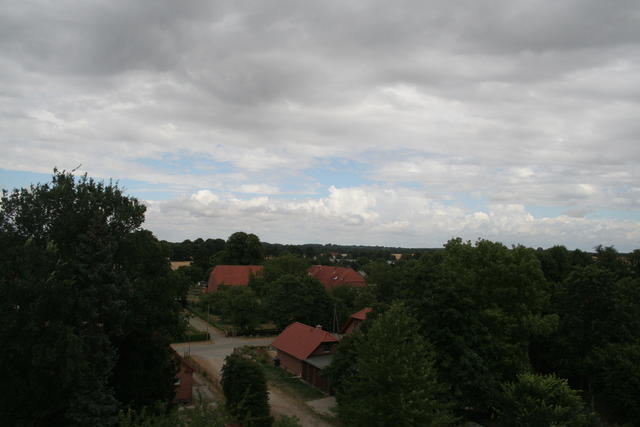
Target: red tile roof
point(300, 340)
point(358, 317)
point(362, 314)
point(331, 276)
point(231, 275)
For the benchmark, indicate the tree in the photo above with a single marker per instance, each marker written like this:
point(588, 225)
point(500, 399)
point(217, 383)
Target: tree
point(298, 299)
point(243, 249)
point(597, 343)
point(480, 306)
point(394, 382)
point(616, 379)
point(85, 298)
point(541, 401)
point(241, 308)
point(245, 390)
point(277, 267)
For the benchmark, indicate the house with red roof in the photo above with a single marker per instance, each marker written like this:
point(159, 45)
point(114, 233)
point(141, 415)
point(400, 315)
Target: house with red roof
point(239, 275)
point(353, 322)
point(331, 276)
point(231, 275)
point(305, 351)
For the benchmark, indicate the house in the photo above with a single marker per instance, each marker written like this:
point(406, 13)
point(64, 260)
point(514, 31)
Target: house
point(239, 275)
point(305, 351)
point(184, 381)
point(331, 276)
point(353, 322)
point(231, 275)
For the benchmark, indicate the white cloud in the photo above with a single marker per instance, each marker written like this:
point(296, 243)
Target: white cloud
point(378, 215)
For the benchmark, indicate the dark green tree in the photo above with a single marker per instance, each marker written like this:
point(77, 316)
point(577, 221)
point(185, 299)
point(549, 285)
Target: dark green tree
point(241, 308)
point(298, 299)
point(74, 269)
point(634, 263)
point(343, 363)
point(555, 262)
point(243, 249)
point(616, 379)
point(596, 345)
point(395, 381)
point(541, 401)
point(277, 267)
point(245, 390)
point(480, 306)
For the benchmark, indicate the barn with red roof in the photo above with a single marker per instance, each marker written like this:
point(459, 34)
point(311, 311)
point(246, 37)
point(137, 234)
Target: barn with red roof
point(305, 351)
point(231, 275)
point(331, 276)
point(353, 322)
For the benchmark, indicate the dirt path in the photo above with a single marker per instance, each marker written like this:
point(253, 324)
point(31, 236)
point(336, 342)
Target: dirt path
point(283, 404)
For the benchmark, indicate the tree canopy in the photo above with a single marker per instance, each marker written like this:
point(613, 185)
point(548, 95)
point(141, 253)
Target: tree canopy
point(394, 381)
point(87, 305)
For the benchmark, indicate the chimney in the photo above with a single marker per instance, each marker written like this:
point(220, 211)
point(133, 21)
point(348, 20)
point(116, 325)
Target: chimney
point(318, 326)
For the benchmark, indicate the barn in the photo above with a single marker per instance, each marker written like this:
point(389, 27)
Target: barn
point(305, 351)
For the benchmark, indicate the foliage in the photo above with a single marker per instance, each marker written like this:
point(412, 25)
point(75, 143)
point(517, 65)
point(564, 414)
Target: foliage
point(285, 421)
point(240, 307)
point(541, 401)
point(298, 299)
point(596, 309)
point(616, 379)
point(243, 249)
point(277, 267)
point(394, 382)
point(480, 305)
point(343, 363)
point(87, 305)
point(344, 300)
point(245, 390)
point(160, 415)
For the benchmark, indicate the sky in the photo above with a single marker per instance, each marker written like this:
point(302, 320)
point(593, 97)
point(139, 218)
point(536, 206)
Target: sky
point(402, 123)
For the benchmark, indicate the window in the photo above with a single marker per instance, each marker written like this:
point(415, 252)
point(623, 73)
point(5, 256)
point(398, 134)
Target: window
point(326, 347)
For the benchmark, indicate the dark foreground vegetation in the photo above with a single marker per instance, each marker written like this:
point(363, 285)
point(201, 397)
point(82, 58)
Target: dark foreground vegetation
point(474, 331)
point(525, 337)
point(88, 306)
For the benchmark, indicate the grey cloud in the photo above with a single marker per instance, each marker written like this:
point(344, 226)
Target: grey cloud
point(454, 96)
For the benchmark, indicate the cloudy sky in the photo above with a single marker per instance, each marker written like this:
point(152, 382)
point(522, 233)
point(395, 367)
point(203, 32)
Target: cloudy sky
point(356, 122)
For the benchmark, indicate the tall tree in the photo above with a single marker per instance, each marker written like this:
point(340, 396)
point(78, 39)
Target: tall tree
point(597, 344)
point(243, 249)
point(298, 299)
point(395, 381)
point(480, 306)
point(75, 294)
point(245, 390)
point(241, 308)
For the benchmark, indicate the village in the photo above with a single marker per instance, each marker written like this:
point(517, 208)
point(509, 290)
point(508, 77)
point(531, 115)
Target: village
point(302, 351)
